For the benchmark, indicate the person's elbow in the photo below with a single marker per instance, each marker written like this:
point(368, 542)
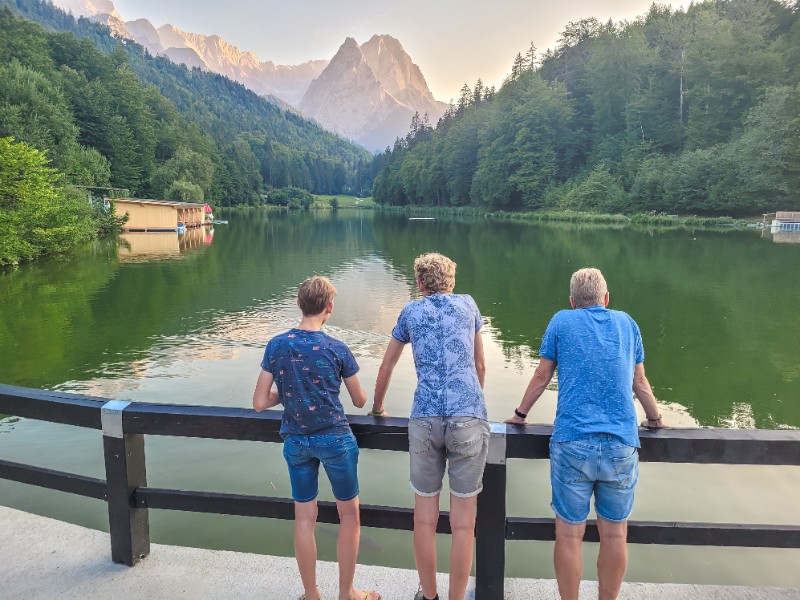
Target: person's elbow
point(360, 399)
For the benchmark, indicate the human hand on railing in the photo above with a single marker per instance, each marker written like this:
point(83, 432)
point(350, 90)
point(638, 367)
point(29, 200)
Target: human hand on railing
point(657, 423)
point(518, 418)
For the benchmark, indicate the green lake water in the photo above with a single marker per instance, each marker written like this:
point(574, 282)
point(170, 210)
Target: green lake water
point(185, 321)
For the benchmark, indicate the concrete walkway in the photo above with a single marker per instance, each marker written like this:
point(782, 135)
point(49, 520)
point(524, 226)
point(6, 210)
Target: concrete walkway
point(44, 558)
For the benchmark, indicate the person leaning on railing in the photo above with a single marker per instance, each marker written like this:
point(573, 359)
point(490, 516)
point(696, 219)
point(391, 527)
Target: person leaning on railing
point(308, 367)
point(594, 445)
point(448, 423)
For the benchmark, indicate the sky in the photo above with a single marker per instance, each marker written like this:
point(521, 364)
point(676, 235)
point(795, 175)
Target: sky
point(453, 42)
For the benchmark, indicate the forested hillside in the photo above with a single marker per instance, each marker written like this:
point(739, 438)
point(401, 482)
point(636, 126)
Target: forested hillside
point(691, 112)
point(109, 114)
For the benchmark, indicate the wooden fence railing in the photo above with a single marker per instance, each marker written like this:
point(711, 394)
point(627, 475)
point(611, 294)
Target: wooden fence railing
point(124, 425)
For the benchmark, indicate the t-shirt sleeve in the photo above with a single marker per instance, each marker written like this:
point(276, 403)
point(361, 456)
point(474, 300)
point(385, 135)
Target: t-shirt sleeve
point(265, 362)
point(478, 317)
point(400, 331)
point(349, 364)
point(638, 346)
point(548, 349)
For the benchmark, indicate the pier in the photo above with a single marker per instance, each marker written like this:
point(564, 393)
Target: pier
point(129, 499)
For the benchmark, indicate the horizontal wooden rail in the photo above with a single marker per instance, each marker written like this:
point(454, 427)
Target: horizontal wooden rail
point(381, 517)
point(670, 533)
point(689, 445)
point(54, 480)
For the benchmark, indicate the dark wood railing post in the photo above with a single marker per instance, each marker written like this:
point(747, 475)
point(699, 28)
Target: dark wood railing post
point(490, 529)
point(125, 471)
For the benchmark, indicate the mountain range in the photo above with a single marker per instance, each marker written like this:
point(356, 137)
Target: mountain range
point(367, 93)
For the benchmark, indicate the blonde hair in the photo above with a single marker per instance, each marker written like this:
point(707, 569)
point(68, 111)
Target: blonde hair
point(315, 294)
point(436, 272)
point(587, 287)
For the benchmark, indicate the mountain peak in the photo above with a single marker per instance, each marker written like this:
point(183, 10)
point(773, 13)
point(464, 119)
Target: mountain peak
point(369, 92)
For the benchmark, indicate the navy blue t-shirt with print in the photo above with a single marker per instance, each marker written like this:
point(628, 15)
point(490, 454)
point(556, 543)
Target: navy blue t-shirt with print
point(308, 368)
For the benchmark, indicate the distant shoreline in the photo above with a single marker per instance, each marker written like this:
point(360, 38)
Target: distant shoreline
point(568, 216)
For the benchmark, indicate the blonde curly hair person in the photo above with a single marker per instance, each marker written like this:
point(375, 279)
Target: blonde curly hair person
point(435, 272)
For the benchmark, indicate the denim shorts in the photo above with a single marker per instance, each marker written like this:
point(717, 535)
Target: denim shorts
point(459, 442)
point(338, 453)
point(599, 465)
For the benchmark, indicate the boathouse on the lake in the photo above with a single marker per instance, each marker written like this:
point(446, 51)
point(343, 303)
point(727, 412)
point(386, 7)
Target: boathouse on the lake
point(145, 214)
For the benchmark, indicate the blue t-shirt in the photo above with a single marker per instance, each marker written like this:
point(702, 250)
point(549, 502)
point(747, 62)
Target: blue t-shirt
point(308, 368)
point(441, 329)
point(596, 350)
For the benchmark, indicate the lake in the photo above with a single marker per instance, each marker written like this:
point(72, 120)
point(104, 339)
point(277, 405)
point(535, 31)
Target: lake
point(185, 320)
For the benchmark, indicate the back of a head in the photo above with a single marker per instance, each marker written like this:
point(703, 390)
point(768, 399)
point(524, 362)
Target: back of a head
point(588, 287)
point(436, 272)
point(315, 294)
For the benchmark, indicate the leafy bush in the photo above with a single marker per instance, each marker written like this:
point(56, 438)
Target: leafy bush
point(37, 217)
point(290, 197)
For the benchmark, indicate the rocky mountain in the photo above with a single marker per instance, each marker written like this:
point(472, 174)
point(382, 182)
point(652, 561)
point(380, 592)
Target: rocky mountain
point(367, 93)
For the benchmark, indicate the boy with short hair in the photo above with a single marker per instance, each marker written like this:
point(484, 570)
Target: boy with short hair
point(308, 366)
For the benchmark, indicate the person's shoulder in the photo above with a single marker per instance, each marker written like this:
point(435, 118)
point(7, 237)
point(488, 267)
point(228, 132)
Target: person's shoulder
point(334, 343)
point(563, 315)
point(621, 314)
point(277, 339)
point(412, 306)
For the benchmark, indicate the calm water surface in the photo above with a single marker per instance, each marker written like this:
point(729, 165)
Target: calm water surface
point(163, 320)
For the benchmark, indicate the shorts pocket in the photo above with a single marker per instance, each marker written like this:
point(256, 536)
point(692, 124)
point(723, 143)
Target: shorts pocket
point(467, 438)
point(294, 453)
point(419, 436)
point(335, 450)
point(567, 464)
point(625, 467)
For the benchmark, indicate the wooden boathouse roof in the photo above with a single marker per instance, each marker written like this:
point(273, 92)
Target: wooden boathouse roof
point(788, 215)
point(176, 203)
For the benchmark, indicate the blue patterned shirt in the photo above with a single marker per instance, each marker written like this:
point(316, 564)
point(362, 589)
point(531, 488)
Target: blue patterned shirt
point(308, 368)
point(596, 350)
point(441, 329)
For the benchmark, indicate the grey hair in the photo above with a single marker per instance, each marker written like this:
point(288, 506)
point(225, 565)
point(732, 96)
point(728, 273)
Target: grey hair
point(587, 287)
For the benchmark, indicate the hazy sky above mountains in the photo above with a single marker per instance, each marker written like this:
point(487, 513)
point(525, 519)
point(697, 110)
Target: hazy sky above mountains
point(453, 42)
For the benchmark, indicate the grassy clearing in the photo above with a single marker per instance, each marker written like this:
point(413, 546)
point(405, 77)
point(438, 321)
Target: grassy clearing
point(324, 201)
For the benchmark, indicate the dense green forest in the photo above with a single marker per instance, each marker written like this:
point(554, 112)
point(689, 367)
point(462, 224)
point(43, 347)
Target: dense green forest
point(150, 118)
point(691, 111)
point(106, 113)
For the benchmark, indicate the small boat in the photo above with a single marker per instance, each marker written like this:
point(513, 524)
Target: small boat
point(421, 218)
point(218, 222)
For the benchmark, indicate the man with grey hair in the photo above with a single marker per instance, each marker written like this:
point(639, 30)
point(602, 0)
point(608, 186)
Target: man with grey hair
point(595, 441)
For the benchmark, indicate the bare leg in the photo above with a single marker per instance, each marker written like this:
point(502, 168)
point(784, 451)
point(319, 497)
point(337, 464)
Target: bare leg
point(462, 525)
point(426, 516)
point(347, 546)
point(613, 558)
point(567, 558)
point(305, 546)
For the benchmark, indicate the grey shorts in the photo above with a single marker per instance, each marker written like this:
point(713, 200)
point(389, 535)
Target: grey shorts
point(461, 442)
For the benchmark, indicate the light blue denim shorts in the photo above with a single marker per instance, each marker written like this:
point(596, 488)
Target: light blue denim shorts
point(460, 443)
point(338, 454)
point(599, 465)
